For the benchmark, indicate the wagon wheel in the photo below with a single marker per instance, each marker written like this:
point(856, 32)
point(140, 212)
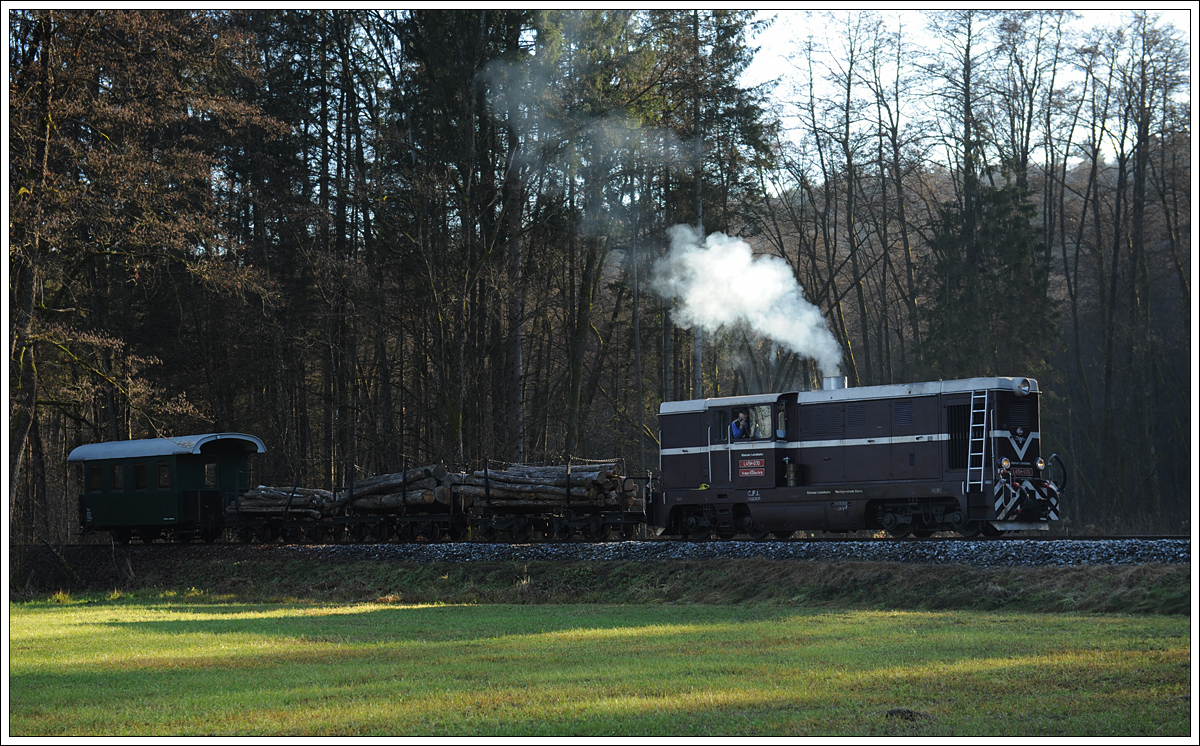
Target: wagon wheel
point(315, 535)
point(522, 531)
point(292, 534)
point(122, 536)
point(431, 531)
point(269, 534)
point(455, 532)
point(563, 531)
point(245, 534)
point(358, 532)
point(484, 532)
point(380, 531)
point(725, 534)
point(405, 532)
point(210, 535)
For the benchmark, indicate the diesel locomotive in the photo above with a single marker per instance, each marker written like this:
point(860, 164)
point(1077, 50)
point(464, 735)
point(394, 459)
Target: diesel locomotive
point(908, 459)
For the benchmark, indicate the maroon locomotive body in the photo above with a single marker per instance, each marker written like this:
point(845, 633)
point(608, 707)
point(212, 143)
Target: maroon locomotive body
point(961, 456)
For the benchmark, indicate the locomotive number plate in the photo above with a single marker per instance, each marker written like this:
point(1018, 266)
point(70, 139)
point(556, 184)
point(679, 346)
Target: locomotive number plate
point(1022, 472)
point(752, 472)
point(748, 463)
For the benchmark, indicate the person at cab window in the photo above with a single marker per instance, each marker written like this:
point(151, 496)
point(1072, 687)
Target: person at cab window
point(741, 426)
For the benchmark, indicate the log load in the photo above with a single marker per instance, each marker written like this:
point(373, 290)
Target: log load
point(434, 489)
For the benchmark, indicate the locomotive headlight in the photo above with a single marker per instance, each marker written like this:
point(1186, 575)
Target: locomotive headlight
point(1041, 464)
point(1005, 463)
point(1021, 386)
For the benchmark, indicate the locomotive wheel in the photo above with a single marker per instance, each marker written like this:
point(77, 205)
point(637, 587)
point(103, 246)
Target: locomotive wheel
point(900, 530)
point(758, 535)
point(782, 534)
point(700, 533)
point(923, 533)
point(971, 529)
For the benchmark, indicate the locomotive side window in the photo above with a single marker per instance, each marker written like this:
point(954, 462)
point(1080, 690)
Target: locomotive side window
point(164, 475)
point(139, 476)
point(780, 420)
point(118, 477)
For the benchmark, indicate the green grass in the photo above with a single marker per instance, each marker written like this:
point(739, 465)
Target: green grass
point(181, 666)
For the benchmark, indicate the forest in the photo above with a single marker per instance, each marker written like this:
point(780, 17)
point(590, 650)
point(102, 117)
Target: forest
point(438, 236)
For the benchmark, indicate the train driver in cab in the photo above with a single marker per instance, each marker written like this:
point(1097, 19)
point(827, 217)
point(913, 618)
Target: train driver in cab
point(740, 427)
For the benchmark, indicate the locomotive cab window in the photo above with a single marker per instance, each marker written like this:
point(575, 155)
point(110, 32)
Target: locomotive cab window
point(760, 422)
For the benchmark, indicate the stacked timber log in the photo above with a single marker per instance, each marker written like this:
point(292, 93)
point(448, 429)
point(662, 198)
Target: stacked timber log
point(420, 488)
point(435, 489)
point(299, 501)
point(546, 487)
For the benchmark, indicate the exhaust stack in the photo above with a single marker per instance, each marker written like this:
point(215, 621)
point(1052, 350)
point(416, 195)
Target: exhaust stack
point(831, 383)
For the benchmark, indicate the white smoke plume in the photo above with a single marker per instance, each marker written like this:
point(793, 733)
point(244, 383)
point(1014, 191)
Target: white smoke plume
point(718, 283)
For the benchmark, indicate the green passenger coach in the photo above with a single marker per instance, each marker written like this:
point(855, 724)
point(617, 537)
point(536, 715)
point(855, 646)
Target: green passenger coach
point(163, 486)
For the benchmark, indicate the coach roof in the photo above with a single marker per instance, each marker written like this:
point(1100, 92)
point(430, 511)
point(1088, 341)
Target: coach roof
point(181, 445)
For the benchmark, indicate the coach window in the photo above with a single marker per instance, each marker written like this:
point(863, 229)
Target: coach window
point(210, 474)
point(95, 478)
point(164, 475)
point(139, 476)
point(118, 478)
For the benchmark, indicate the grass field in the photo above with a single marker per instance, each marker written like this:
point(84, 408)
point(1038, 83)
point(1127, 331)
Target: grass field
point(179, 665)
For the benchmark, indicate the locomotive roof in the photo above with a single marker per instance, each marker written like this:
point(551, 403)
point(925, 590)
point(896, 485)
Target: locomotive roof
point(180, 445)
point(887, 391)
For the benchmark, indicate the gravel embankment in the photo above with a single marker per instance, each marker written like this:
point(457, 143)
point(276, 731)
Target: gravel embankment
point(1027, 552)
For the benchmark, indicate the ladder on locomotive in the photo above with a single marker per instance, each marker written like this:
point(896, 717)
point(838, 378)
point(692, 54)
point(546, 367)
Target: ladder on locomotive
point(977, 441)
